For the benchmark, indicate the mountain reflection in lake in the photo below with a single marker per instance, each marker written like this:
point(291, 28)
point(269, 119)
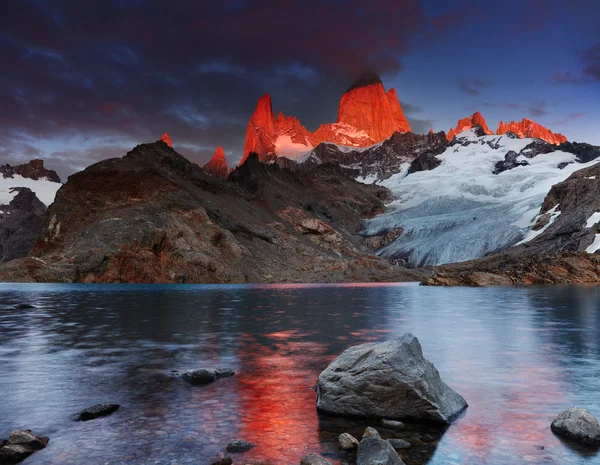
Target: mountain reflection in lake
point(519, 356)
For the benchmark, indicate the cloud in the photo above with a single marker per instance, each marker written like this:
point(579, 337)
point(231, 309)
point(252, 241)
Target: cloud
point(473, 86)
point(409, 108)
point(589, 72)
point(538, 109)
point(420, 126)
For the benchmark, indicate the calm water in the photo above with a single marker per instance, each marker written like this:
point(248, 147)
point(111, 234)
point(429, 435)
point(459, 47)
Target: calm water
point(518, 356)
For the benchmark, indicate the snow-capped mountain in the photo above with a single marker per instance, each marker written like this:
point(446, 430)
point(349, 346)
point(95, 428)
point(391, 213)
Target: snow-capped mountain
point(483, 197)
point(33, 175)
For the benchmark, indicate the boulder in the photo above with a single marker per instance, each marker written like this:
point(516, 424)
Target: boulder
point(14, 453)
point(577, 424)
point(95, 411)
point(239, 445)
point(399, 444)
point(389, 380)
point(25, 438)
point(20, 445)
point(376, 451)
point(347, 441)
point(314, 459)
point(371, 433)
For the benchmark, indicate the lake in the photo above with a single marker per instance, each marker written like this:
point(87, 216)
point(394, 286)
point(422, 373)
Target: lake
point(519, 356)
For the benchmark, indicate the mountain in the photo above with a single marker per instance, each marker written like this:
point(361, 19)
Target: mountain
point(166, 138)
point(530, 129)
point(217, 166)
point(480, 195)
point(154, 216)
point(476, 119)
point(366, 115)
point(32, 175)
point(20, 223)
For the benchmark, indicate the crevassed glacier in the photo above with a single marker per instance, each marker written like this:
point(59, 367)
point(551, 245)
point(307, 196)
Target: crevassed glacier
point(461, 210)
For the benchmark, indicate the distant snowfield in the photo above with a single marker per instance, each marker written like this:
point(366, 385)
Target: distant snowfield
point(44, 190)
point(461, 210)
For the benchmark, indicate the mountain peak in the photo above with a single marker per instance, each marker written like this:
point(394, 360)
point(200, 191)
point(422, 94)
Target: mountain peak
point(366, 79)
point(217, 166)
point(166, 139)
point(529, 128)
point(476, 119)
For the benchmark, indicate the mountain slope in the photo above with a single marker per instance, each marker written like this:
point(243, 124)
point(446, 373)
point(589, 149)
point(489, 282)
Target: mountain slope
point(153, 216)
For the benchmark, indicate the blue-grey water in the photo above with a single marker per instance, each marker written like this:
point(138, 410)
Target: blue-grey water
point(518, 355)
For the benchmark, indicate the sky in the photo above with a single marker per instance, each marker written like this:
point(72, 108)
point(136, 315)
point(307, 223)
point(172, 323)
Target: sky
point(85, 81)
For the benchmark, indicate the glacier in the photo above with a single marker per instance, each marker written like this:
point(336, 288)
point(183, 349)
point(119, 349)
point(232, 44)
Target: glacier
point(461, 210)
point(44, 189)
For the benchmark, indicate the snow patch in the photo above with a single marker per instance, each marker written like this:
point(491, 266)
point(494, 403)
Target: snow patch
point(594, 246)
point(592, 220)
point(44, 190)
point(533, 234)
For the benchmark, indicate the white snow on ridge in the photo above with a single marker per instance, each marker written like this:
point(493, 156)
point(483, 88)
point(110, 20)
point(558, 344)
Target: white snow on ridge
point(592, 220)
point(285, 147)
point(44, 190)
point(461, 210)
point(533, 234)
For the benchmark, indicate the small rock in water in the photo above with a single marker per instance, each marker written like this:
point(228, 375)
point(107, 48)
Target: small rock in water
point(13, 453)
point(205, 376)
point(224, 461)
point(314, 459)
point(577, 424)
point(24, 437)
point(371, 433)
point(239, 445)
point(399, 444)
point(392, 424)
point(540, 447)
point(347, 441)
point(375, 451)
point(95, 411)
point(24, 306)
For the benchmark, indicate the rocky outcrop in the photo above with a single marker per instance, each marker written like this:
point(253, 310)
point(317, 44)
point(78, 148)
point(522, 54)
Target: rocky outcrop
point(20, 223)
point(579, 425)
point(153, 216)
point(529, 128)
point(20, 445)
point(217, 166)
point(166, 138)
point(33, 170)
point(476, 119)
point(387, 380)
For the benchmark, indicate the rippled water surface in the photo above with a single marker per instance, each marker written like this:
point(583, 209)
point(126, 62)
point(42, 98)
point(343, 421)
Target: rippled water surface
point(518, 356)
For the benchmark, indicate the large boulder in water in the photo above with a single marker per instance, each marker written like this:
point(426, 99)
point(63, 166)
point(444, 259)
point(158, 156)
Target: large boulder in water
point(376, 451)
point(579, 425)
point(387, 380)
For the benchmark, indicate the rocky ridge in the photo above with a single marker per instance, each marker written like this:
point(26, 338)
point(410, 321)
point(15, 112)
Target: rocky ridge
point(34, 169)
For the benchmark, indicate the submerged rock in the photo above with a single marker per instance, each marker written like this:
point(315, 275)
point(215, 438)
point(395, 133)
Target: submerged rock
point(96, 411)
point(399, 444)
point(392, 424)
point(239, 445)
point(314, 459)
point(206, 376)
point(376, 451)
point(387, 380)
point(20, 445)
point(347, 442)
point(579, 425)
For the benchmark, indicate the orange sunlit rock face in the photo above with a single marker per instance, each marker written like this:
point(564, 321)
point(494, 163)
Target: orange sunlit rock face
point(166, 139)
point(529, 128)
point(366, 115)
point(467, 123)
point(217, 166)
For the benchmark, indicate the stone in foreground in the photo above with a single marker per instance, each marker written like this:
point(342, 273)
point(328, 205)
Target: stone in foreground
point(391, 424)
point(577, 424)
point(20, 445)
point(376, 451)
point(399, 444)
point(314, 459)
point(371, 432)
point(206, 376)
point(389, 380)
point(239, 445)
point(95, 411)
point(347, 441)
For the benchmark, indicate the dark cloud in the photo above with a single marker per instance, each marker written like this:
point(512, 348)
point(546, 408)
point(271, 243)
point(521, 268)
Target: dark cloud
point(410, 109)
point(473, 86)
point(123, 71)
point(420, 126)
point(590, 69)
point(538, 109)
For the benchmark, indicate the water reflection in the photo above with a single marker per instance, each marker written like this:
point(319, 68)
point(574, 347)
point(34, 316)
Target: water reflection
point(519, 357)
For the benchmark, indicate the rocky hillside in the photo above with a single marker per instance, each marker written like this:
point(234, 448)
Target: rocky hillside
point(153, 216)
